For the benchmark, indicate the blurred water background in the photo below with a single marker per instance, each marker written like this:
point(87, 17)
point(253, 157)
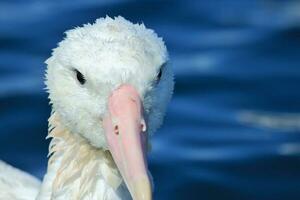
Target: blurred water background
point(232, 129)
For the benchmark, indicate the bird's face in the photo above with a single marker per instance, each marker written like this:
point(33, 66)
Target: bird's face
point(110, 83)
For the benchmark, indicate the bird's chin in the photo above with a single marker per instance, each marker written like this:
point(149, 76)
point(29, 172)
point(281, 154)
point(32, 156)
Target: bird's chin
point(125, 132)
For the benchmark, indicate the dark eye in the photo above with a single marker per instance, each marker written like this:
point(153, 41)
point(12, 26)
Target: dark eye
point(80, 77)
point(159, 74)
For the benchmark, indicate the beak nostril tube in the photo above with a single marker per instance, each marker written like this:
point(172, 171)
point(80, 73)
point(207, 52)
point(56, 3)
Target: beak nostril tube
point(143, 126)
point(116, 129)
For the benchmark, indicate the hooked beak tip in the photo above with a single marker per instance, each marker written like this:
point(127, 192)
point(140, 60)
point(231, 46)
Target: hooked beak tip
point(142, 190)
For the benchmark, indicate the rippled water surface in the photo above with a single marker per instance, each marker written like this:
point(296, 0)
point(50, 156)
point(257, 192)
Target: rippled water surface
point(232, 129)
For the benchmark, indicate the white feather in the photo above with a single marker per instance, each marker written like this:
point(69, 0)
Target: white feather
point(16, 184)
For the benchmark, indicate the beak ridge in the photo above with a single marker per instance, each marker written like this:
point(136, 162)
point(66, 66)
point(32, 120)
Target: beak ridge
point(124, 126)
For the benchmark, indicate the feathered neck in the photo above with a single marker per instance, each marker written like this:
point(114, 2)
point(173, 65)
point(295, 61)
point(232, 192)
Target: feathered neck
point(81, 165)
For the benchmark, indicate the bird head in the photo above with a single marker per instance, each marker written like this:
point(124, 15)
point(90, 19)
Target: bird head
point(110, 83)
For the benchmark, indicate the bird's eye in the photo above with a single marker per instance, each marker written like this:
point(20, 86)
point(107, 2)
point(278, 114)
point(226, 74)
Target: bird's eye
point(80, 77)
point(159, 74)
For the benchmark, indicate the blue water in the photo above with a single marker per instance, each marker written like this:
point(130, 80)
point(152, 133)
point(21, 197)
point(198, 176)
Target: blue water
point(232, 130)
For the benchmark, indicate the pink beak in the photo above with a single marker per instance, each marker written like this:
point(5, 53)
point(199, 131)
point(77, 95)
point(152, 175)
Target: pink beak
point(124, 129)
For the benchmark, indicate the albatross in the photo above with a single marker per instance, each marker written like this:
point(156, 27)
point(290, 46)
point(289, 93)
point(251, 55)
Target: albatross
point(109, 84)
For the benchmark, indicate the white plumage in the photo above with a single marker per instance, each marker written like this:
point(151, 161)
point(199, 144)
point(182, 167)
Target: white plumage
point(107, 54)
point(16, 184)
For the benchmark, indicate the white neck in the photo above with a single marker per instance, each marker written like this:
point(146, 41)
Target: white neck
point(76, 170)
